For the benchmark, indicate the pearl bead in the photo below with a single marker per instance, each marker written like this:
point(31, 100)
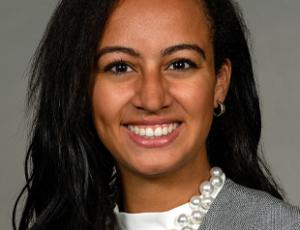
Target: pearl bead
point(216, 181)
point(195, 202)
point(216, 171)
point(206, 202)
point(187, 228)
point(206, 188)
point(182, 220)
point(200, 204)
point(196, 217)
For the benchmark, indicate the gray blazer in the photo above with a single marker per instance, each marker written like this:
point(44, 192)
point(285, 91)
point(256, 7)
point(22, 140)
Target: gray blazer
point(240, 208)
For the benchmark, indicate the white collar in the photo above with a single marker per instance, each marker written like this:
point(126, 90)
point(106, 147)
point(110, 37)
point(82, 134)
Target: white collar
point(154, 220)
point(150, 220)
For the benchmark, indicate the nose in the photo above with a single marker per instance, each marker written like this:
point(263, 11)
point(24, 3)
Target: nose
point(152, 93)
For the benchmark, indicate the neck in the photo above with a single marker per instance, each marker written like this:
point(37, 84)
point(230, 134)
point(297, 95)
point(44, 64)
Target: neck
point(164, 192)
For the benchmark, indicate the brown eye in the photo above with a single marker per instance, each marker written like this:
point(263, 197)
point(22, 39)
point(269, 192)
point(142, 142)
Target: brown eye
point(118, 67)
point(182, 64)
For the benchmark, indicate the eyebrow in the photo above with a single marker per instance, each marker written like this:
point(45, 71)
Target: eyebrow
point(175, 48)
point(118, 49)
point(168, 51)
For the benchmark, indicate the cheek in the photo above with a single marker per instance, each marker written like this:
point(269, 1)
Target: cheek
point(196, 97)
point(107, 106)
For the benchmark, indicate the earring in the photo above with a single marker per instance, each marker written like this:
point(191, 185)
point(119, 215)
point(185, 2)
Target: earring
point(221, 109)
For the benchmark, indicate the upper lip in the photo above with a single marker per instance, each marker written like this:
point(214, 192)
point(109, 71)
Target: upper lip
point(158, 121)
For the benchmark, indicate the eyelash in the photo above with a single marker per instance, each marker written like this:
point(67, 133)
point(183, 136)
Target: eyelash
point(112, 67)
point(191, 64)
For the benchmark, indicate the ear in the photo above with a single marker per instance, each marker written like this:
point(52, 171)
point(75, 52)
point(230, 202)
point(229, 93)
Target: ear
point(222, 82)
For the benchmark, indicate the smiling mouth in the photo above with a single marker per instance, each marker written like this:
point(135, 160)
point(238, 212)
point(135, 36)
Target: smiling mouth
point(153, 131)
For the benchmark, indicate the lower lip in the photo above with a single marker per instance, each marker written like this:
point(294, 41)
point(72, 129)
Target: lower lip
point(156, 142)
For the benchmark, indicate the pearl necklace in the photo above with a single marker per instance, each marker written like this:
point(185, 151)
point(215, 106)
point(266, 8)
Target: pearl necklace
point(200, 204)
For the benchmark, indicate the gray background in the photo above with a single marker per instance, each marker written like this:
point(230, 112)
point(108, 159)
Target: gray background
point(275, 36)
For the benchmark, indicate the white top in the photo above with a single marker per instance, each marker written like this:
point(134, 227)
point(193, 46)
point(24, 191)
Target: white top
point(153, 220)
point(150, 220)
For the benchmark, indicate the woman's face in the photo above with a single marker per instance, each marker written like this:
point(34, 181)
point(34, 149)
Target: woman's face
point(155, 87)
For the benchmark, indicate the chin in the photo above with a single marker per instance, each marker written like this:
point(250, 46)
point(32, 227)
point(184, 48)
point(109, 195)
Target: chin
point(157, 168)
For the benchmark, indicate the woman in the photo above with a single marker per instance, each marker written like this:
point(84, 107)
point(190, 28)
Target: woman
point(129, 120)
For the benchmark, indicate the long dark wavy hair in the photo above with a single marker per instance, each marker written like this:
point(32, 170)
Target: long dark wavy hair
point(70, 180)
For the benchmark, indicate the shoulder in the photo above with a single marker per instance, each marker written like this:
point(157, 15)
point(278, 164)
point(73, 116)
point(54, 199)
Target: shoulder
point(239, 207)
point(261, 210)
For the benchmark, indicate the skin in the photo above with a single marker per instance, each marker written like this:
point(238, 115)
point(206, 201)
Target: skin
point(153, 86)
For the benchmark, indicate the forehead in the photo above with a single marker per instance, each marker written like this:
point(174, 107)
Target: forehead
point(157, 20)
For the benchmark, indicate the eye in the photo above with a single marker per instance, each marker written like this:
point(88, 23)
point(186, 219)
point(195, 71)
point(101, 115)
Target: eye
point(118, 67)
point(182, 64)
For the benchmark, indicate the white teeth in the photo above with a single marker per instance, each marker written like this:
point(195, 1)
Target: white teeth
point(142, 132)
point(149, 132)
point(136, 130)
point(170, 128)
point(165, 130)
point(157, 131)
